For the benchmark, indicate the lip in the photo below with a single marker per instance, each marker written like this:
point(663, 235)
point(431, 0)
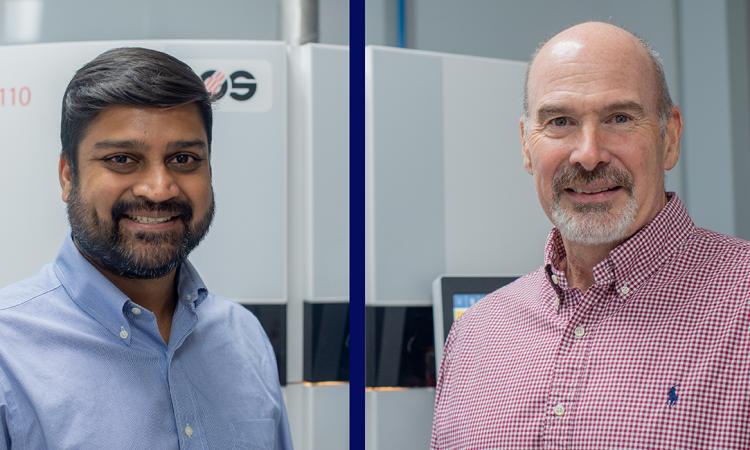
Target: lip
point(171, 224)
point(152, 214)
point(593, 197)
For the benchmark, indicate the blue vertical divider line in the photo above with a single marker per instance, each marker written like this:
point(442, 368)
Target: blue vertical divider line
point(402, 23)
point(357, 224)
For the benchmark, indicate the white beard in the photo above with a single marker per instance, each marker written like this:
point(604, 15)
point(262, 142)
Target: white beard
point(595, 224)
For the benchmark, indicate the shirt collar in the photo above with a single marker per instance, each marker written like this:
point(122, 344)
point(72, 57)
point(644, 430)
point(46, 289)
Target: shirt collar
point(190, 287)
point(635, 260)
point(102, 300)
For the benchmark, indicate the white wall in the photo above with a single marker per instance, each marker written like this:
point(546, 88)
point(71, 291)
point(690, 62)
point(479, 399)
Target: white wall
point(84, 20)
point(381, 22)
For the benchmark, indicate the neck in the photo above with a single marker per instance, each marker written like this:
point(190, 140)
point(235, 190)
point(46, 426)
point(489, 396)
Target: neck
point(158, 295)
point(580, 260)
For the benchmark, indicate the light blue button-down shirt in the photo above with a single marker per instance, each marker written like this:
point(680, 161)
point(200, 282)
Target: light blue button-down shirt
point(83, 367)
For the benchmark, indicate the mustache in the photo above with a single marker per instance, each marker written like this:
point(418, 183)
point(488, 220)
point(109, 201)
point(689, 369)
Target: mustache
point(571, 175)
point(174, 207)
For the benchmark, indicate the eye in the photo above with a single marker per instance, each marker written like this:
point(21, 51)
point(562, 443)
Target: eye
point(185, 161)
point(120, 163)
point(560, 121)
point(620, 119)
point(120, 159)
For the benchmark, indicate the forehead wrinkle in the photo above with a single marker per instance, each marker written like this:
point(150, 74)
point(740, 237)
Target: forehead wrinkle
point(578, 81)
point(565, 106)
point(590, 71)
point(581, 94)
point(575, 104)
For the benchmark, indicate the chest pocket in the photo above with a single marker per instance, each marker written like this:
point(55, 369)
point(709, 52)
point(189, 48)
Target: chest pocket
point(254, 435)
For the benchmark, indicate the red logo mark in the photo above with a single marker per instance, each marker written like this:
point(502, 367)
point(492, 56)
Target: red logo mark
point(214, 82)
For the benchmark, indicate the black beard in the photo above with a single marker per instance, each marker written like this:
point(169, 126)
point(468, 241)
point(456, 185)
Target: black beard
point(102, 242)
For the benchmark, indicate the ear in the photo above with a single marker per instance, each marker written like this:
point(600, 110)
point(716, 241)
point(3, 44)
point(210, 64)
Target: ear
point(525, 147)
point(672, 139)
point(65, 173)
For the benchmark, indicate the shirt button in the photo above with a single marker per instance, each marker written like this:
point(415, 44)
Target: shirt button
point(559, 410)
point(136, 311)
point(579, 331)
point(188, 431)
point(624, 290)
point(555, 279)
point(123, 333)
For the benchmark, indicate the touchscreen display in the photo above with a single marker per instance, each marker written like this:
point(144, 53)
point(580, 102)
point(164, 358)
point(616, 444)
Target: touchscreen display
point(462, 302)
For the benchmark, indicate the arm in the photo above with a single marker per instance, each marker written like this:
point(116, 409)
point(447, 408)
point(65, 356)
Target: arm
point(4, 433)
point(283, 435)
point(441, 389)
point(5, 443)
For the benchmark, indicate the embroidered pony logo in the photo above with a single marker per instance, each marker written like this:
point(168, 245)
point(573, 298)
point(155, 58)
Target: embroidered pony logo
point(672, 396)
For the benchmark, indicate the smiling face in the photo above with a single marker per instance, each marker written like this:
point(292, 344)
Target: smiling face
point(142, 197)
point(593, 140)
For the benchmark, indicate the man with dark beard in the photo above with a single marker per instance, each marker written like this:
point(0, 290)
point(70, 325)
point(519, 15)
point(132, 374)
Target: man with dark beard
point(118, 343)
point(635, 332)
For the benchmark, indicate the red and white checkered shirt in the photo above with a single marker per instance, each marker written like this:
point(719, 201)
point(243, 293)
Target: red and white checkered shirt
point(655, 355)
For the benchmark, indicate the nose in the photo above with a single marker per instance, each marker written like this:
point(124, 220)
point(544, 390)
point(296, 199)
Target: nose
point(589, 151)
point(156, 184)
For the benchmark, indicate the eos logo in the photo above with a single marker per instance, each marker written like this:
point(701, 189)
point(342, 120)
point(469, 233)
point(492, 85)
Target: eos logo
point(241, 84)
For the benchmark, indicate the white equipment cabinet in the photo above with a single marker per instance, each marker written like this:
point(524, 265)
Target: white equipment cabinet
point(319, 245)
point(280, 236)
point(446, 193)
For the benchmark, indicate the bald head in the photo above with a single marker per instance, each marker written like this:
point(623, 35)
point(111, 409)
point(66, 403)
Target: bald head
point(590, 46)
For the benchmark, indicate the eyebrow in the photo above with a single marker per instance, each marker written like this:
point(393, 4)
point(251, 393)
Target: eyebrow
point(182, 145)
point(110, 144)
point(546, 111)
point(630, 106)
point(137, 145)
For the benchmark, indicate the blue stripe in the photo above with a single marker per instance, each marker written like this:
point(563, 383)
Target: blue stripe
point(357, 225)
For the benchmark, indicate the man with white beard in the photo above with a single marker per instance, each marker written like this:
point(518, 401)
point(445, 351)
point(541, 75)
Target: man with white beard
point(635, 332)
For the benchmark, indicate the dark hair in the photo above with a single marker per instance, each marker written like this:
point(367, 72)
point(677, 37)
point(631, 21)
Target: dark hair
point(133, 77)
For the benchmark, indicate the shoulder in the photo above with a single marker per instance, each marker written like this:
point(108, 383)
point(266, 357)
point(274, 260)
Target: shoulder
point(717, 253)
point(511, 295)
point(22, 292)
point(229, 309)
point(521, 297)
point(718, 242)
point(233, 319)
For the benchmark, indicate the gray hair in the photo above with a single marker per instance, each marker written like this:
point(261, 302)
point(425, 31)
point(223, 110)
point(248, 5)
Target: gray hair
point(664, 100)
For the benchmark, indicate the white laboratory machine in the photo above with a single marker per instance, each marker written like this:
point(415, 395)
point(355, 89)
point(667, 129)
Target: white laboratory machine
point(280, 174)
point(446, 193)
